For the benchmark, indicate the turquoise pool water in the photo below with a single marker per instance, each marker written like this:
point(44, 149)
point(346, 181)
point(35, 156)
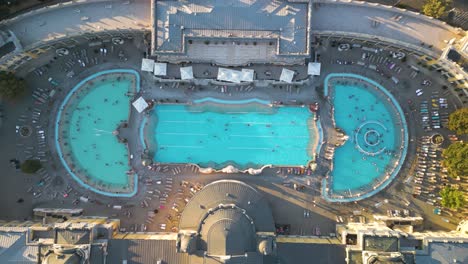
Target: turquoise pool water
point(245, 135)
point(86, 142)
point(377, 132)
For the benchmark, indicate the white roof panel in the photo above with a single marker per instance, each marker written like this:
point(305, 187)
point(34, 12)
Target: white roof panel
point(147, 65)
point(287, 75)
point(229, 75)
point(314, 68)
point(140, 104)
point(247, 75)
point(186, 73)
point(160, 69)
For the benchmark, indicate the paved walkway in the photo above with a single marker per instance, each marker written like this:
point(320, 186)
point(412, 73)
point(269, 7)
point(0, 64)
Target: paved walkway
point(70, 19)
point(382, 22)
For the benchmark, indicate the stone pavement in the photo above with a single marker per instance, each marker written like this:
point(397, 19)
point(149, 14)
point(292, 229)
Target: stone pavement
point(43, 25)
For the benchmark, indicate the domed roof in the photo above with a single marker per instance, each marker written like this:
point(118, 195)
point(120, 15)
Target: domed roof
point(227, 215)
point(227, 192)
point(228, 232)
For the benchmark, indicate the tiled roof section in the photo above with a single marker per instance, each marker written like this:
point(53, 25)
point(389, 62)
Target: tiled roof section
point(8, 239)
point(409, 258)
point(252, 258)
point(292, 253)
point(228, 192)
point(444, 253)
point(14, 249)
point(384, 244)
point(97, 254)
point(287, 20)
point(73, 237)
point(24, 254)
point(137, 251)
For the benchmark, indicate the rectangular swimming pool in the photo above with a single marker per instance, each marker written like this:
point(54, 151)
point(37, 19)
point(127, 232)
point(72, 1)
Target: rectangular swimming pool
point(245, 135)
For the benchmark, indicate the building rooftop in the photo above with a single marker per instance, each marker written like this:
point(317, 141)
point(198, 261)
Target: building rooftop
point(444, 253)
point(285, 24)
point(227, 232)
point(227, 192)
point(292, 253)
point(72, 237)
point(212, 18)
point(13, 248)
point(144, 251)
point(382, 244)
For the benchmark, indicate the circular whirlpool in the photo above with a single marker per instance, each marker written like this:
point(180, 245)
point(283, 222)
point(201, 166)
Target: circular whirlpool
point(370, 138)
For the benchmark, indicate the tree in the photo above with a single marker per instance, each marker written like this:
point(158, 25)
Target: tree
point(436, 8)
point(452, 198)
point(31, 166)
point(458, 121)
point(10, 85)
point(456, 159)
point(437, 139)
point(4, 12)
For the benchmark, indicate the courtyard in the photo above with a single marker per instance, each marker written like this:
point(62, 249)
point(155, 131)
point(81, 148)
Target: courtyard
point(166, 188)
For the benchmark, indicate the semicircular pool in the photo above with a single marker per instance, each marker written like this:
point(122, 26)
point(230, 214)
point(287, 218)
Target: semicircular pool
point(86, 132)
point(375, 138)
